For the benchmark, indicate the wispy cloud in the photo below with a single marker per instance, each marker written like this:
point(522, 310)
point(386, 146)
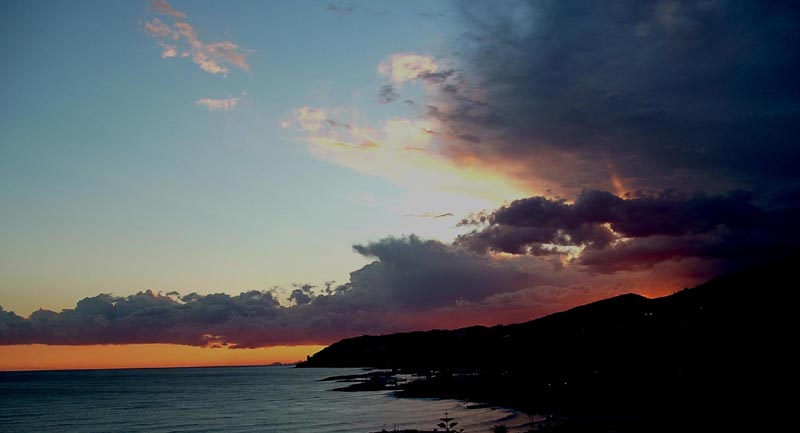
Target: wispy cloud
point(212, 104)
point(344, 9)
point(164, 8)
point(227, 52)
point(387, 94)
point(211, 57)
point(403, 67)
point(403, 151)
point(406, 151)
point(158, 29)
point(182, 40)
point(169, 51)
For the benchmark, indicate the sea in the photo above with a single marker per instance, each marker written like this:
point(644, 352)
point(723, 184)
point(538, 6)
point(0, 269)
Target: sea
point(220, 399)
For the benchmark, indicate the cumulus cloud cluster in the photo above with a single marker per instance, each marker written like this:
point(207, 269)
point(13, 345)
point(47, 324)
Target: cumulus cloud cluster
point(531, 257)
point(606, 233)
point(410, 279)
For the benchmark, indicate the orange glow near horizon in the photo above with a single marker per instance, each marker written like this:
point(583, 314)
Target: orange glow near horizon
point(44, 357)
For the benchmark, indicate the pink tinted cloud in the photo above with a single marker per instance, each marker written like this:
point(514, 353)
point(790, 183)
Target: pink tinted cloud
point(214, 58)
point(229, 52)
point(164, 8)
point(198, 50)
point(169, 51)
point(158, 29)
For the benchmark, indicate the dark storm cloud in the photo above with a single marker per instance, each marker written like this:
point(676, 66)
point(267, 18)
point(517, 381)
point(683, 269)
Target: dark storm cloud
point(640, 230)
point(410, 277)
point(416, 273)
point(694, 95)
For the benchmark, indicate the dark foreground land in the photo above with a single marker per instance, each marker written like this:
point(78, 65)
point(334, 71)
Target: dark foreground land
point(711, 358)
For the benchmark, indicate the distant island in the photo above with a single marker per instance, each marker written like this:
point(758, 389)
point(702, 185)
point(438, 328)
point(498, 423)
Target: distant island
point(711, 357)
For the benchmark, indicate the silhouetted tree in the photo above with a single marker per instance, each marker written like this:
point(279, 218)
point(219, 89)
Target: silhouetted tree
point(448, 424)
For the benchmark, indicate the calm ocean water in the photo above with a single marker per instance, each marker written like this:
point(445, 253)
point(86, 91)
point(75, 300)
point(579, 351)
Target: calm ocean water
point(240, 399)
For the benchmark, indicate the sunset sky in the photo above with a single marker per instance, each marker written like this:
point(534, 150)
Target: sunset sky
point(209, 183)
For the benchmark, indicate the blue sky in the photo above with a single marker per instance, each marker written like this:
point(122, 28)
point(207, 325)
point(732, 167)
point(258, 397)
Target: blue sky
point(112, 179)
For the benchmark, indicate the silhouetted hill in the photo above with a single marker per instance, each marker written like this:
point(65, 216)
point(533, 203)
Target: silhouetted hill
point(724, 343)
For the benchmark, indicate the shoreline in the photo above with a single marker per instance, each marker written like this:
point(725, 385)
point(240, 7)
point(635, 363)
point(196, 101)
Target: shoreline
point(393, 383)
